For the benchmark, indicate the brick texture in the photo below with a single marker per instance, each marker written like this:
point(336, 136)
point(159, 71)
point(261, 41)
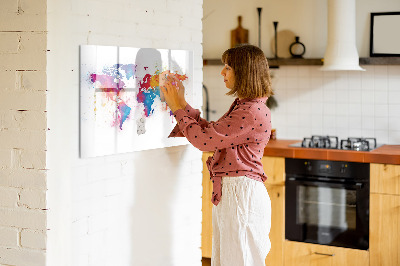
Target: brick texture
point(33, 239)
point(8, 197)
point(17, 256)
point(23, 125)
point(9, 237)
point(23, 218)
point(23, 178)
point(33, 199)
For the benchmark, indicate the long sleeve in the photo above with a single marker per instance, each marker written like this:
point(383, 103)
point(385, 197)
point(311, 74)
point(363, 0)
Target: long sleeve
point(231, 130)
point(193, 113)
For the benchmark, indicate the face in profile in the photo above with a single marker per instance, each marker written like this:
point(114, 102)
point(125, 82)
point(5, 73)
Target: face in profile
point(229, 76)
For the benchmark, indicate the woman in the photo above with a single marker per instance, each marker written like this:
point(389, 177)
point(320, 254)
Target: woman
point(242, 208)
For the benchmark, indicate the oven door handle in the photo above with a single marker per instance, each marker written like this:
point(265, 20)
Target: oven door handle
point(357, 185)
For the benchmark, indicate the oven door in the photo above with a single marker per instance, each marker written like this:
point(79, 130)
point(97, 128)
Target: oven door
point(327, 213)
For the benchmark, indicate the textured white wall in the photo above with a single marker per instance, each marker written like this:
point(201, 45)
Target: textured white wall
point(23, 133)
point(141, 208)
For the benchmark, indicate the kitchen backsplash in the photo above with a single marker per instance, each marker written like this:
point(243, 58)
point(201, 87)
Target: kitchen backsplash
point(314, 102)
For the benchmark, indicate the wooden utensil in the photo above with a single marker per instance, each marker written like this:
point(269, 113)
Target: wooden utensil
point(239, 35)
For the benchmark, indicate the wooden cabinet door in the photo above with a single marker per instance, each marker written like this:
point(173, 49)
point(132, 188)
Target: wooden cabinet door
point(274, 168)
point(384, 236)
point(206, 226)
point(277, 233)
point(304, 254)
point(385, 178)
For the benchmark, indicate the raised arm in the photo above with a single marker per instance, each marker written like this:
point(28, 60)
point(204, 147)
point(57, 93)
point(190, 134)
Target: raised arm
point(173, 92)
point(230, 131)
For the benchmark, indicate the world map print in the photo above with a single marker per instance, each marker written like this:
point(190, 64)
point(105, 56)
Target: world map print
point(122, 106)
point(112, 84)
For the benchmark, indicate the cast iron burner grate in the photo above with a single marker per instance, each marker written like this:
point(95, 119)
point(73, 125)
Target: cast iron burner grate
point(332, 142)
point(327, 142)
point(358, 144)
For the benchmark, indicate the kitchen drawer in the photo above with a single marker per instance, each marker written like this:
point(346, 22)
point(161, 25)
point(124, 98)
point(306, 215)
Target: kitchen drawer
point(305, 254)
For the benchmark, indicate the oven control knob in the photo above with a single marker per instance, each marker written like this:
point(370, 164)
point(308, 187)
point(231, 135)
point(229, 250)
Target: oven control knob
point(308, 166)
point(343, 168)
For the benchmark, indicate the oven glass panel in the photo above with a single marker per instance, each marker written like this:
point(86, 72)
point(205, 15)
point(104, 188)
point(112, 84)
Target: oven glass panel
point(326, 207)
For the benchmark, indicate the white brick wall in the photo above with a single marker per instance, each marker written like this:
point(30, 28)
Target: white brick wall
point(9, 237)
point(33, 239)
point(8, 197)
point(23, 132)
point(141, 208)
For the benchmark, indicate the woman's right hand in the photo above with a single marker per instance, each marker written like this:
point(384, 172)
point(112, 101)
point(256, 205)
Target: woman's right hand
point(170, 91)
point(181, 91)
point(164, 76)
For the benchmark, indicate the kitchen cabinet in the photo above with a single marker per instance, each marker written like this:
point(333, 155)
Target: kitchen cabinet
point(384, 247)
point(277, 233)
point(305, 254)
point(385, 215)
point(385, 178)
point(206, 226)
point(274, 168)
point(385, 230)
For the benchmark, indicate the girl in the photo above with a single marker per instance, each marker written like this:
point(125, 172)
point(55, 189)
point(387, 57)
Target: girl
point(242, 208)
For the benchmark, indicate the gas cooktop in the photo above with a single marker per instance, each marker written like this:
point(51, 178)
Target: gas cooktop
point(332, 142)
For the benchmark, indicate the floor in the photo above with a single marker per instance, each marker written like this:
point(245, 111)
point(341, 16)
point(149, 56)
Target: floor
point(206, 261)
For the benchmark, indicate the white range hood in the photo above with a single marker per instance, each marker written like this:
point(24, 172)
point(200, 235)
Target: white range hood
point(341, 51)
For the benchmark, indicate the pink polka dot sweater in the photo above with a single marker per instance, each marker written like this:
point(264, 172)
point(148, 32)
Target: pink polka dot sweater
point(238, 139)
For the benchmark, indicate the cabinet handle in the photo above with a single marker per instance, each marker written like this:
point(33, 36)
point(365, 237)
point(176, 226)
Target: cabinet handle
point(324, 254)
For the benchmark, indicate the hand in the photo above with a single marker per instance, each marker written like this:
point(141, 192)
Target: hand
point(162, 79)
point(181, 92)
point(181, 89)
point(171, 94)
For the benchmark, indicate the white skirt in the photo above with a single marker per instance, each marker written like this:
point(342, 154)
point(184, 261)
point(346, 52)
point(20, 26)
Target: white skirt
point(241, 223)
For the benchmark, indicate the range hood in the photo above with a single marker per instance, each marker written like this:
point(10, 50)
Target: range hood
point(341, 51)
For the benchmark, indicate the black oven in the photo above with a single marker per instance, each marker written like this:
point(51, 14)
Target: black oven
point(327, 202)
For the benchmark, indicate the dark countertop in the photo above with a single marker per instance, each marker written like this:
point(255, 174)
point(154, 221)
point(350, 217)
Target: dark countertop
point(389, 154)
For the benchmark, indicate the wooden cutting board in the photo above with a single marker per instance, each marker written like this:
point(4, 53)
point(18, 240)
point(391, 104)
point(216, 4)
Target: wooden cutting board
point(239, 35)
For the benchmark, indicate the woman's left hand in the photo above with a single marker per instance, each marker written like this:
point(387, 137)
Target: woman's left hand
point(170, 90)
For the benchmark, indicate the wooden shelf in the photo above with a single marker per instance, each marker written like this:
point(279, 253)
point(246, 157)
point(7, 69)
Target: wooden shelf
point(380, 61)
point(274, 63)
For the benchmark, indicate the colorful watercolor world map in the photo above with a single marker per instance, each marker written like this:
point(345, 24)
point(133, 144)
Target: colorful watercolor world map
point(111, 82)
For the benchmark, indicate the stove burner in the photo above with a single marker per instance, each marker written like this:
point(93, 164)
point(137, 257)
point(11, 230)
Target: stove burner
point(332, 142)
point(358, 144)
point(328, 142)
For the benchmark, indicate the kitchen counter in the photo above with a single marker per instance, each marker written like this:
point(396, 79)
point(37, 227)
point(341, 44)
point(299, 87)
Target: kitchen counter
point(389, 154)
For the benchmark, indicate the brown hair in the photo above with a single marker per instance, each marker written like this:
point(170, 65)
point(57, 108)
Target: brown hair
point(250, 66)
